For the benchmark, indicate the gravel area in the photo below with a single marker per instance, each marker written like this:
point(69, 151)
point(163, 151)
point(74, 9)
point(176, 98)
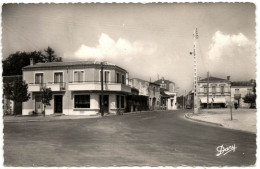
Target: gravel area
point(243, 119)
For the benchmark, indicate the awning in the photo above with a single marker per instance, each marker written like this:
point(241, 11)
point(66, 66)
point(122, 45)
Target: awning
point(213, 100)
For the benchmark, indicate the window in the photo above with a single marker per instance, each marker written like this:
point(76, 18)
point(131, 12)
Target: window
point(38, 78)
point(123, 79)
point(117, 101)
point(122, 101)
point(163, 86)
point(213, 89)
point(105, 76)
point(82, 101)
point(78, 76)
point(58, 77)
point(205, 89)
point(236, 91)
point(222, 89)
point(117, 78)
point(249, 91)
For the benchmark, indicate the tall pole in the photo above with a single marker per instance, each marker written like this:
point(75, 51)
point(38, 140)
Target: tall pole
point(207, 89)
point(195, 37)
point(184, 99)
point(102, 92)
point(183, 102)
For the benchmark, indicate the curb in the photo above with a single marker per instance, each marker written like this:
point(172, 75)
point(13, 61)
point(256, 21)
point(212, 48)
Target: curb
point(187, 116)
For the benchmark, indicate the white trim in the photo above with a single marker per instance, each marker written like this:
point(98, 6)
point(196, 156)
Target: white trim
point(109, 79)
point(38, 73)
point(77, 70)
point(58, 72)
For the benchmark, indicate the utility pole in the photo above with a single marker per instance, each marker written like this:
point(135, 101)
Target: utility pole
point(102, 91)
point(184, 99)
point(207, 89)
point(183, 102)
point(196, 106)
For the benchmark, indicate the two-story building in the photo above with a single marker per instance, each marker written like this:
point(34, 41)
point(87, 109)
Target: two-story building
point(168, 94)
point(76, 87)
point(239, 90)
point(149, 90)
point(215, 91)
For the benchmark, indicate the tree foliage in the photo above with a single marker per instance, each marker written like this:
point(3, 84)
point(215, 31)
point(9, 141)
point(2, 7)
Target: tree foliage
point(50, 56)
point(251, 99)
point(16, 91)
point(14, 63)
point(46, 96)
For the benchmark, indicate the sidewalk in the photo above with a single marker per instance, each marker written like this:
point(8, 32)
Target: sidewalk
point(17, 119)
point(243, 119)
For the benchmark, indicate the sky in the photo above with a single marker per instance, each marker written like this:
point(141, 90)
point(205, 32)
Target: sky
point(148, 40)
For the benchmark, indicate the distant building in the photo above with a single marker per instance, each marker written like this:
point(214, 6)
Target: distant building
point(149, 90)
point(239, 90)
point(219, 92)
point(168, 94)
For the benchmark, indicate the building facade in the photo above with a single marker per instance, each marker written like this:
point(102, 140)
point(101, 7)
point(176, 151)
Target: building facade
point(76, 87)
point(216, 90)
point(239, 90)
point(149, 90)
point(168, 94)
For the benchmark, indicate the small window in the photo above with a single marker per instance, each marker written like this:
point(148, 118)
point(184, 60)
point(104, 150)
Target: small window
point(236, 91)
point(117, 78)
point(205, 90)
point(249, 91)
point(82, 101)
point(105, 76)
point(78, 76)
point(58, 77)
point(222, 89)
point(171, 102)
point(123, 79)
point(213, 89)
point(122, 101)
point(38, 78)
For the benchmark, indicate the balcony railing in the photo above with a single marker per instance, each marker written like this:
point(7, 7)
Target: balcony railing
point(96, 85)
point(55, 86)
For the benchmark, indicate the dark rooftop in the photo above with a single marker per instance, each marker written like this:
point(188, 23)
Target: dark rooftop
point(213, 79)
point(242, 83)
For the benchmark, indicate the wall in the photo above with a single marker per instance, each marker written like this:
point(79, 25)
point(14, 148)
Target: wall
point(243, 90)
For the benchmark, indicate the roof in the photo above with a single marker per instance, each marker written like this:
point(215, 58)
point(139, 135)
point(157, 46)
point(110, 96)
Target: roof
point(73, 63)
point(165, 81)
point(242, 83)
point(9, 79)
point(213, 79)
point(164, 94)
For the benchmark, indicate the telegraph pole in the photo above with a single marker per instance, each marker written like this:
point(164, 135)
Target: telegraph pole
point(102, 91)
point(207, 89)
point(196, 106)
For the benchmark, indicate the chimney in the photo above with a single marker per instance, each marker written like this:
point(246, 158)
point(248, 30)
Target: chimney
point(31, 61)
point(228, 78)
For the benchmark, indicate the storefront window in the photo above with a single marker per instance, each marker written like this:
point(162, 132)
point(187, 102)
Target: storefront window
point(82, 101)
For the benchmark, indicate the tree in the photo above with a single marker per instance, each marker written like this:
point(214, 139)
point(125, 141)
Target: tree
point(46, 95)
point(17, 91)
point(250, 98)
point(15, 62)
point(50, 56)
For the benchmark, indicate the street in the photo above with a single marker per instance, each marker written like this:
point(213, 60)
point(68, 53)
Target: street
point(163, 138)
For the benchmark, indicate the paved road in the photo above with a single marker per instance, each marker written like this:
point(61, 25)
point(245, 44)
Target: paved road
point(142, 139)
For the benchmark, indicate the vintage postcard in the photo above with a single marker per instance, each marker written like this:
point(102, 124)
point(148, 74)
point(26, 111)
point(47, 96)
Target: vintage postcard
point(129, 84)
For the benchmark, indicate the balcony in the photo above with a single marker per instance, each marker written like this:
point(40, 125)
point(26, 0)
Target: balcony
point(32, 87)
point(96, 85)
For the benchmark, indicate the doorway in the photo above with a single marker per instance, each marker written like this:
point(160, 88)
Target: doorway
point(38, 104)
point(57, 103)
point(106, 103)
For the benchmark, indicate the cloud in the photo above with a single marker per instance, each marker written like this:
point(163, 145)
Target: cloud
point(231, 54)
point(120, 49)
